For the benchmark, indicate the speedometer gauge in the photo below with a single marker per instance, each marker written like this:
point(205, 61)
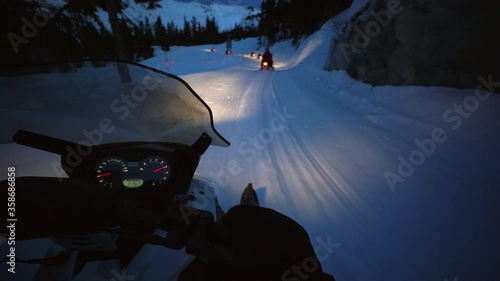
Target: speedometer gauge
point(110, 170)
point(156, 170)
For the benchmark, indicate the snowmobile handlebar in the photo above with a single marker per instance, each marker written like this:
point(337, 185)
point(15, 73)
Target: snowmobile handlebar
point(186, 227)
point(51, 207)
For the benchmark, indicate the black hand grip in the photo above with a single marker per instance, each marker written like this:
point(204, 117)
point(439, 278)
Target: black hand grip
point(218, 233)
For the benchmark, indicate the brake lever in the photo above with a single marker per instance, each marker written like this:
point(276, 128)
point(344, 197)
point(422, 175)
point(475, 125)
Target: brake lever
point(194, 229)
point(203, 232)
point(209, 240)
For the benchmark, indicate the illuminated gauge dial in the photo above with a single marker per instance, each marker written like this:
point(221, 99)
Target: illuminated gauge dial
point(155, 170)
point(110, 170)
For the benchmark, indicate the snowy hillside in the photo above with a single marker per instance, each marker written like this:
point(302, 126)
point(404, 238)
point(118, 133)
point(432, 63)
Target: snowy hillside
point(391, 183)
point(225, 15)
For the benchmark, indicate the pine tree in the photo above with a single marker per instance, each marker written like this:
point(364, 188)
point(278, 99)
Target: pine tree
point(194, 31)
point(282, 10)
point(249, 23)
point(160, 35)
point(149, 34)
point(212, 30)
point(267, 23)
point(173, 33)
point(186, 33)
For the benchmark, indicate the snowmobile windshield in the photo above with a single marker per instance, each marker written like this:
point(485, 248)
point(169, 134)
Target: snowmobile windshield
point(102, 102)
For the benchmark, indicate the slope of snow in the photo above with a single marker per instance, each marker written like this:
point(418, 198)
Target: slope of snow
point(181, 60)
point(318, 147)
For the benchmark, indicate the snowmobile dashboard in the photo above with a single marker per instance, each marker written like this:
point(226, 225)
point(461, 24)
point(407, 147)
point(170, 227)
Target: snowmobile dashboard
point(117, 172)
point(125, 189)
point(132, 169)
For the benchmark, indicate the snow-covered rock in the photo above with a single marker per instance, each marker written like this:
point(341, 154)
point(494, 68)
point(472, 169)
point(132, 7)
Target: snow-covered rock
point(420, 42)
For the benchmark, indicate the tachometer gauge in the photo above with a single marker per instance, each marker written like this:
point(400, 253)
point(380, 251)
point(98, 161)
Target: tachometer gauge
point(110, 170)
point(155, 170)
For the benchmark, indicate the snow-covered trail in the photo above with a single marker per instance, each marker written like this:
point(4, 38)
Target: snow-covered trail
point(267, 120)
point(282, 138)
point(316, 150)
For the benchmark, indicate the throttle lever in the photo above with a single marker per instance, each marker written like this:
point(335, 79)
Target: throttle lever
point(197, 243)
point(203, 233)
point(187, 227)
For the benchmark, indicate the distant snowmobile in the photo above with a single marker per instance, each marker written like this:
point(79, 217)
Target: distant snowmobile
point(266, 65)
point(267, 61)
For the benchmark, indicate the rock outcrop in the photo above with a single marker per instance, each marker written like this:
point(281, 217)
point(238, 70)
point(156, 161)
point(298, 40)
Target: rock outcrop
point(421, 42)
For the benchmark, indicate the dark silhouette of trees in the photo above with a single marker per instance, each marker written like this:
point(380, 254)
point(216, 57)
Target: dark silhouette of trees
point(285, 19)
point(75, 32)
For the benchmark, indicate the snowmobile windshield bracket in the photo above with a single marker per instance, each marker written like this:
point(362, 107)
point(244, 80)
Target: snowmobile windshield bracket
point(202, 143)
